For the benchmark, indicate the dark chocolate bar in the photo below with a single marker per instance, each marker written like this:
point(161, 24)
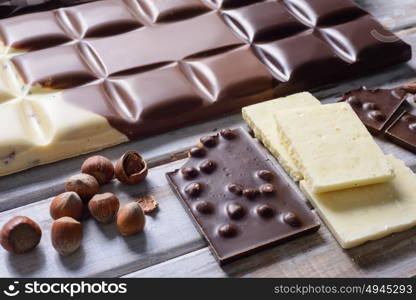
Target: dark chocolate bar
point(9, 8)
point(239, 201)
point(376, 107)
point(150, 66)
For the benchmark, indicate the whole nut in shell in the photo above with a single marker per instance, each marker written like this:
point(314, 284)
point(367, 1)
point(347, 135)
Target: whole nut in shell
point(84, 185)
point(104, 207)
point(66, 235)
point(131, 168)
point(100, 167)
point(131, 219)
point(67, 204)
point(20, 235)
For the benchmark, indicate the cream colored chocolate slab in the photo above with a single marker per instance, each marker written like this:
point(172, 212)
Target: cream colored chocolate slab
point(331, 147)
point(46, 129)
point(371, 212)
point(260, 118)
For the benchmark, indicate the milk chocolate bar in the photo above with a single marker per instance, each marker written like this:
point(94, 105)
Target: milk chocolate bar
point(10, 8)
point(145, 67)
point(239, 201)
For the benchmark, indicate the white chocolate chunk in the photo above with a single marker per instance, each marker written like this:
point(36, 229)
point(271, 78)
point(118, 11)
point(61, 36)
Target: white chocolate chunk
point(331, 147)
point(46, 129)
point(260, 118)
point(371, 212)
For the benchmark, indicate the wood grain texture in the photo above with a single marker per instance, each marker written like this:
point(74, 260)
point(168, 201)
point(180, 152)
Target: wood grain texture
point(315, 255)
point(168, 233)
point(171, 245)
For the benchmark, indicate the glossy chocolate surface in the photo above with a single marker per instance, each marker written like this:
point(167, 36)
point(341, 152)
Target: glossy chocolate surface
point(243, 203)
point(376, 107)
point(153, 65)
point(10, 8)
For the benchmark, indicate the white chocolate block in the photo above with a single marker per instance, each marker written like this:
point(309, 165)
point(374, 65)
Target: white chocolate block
point(331, 147)
point(260, 118)
point(46, 129)
point(371, 212)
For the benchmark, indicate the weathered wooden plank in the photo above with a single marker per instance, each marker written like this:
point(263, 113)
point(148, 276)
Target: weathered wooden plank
point(316, 255)
point(168, 233)
point(394, 14)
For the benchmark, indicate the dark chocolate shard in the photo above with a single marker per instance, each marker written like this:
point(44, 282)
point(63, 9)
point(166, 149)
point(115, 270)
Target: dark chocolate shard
point(403, 131)
point(237, 225)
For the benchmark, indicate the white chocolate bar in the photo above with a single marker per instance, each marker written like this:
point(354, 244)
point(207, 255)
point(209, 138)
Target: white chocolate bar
point(46, 129)
point(331, 147)
point(368, 213)
point(260, 118)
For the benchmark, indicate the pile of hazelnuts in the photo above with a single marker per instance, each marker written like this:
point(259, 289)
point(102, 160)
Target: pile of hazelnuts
point(21, 234)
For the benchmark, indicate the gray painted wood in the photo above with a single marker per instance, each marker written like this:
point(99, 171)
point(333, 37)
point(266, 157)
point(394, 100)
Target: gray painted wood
point(171, 244)
point(316, 255)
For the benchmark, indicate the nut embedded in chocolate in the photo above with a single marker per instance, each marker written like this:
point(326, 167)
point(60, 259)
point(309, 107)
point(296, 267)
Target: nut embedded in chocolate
point(235, 211)
point(228, 230)
point(251, 193)
point(189, 173)
point(20, 235)
point(412, 126)
point(236, 189)
point(209, 141)
point(267, 189)
point(291, 219)
point(265, 211)
point(207, 166)
point(197, 152)
point(228, 134)
point(265, 175)
point(204, 207)
point(377, 115)
point(354, 101)
point(194, 189)
point(131, 168)
point(370, 106)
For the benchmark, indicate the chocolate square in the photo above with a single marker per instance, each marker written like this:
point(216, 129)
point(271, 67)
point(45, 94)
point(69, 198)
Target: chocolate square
point(238, 200)
point(403, 131)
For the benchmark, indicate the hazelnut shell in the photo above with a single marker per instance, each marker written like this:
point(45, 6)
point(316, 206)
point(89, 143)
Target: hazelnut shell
point(131, 168)
point(99, 167)
point(131, 219)
point(84, 185)
point(104, 207)
point(20, 235)
point(66, 235)
point(67, 204)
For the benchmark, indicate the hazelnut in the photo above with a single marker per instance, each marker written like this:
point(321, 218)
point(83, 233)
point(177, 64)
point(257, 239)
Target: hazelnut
point(104, 207)
point(67, 204)
point(100, 167)
point(130, 219)
point(131, 168)
point(66, 235)
point(20, 235)
point(84, 185)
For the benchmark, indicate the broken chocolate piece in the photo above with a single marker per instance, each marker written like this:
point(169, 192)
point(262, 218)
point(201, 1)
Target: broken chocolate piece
point(236, 225)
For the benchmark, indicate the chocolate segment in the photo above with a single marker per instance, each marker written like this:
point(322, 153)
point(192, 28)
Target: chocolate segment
point(403, 131)
point(235, 224)
point(376, 107)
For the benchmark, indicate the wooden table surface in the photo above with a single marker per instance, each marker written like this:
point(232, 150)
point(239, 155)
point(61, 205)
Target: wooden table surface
point(171, 246)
